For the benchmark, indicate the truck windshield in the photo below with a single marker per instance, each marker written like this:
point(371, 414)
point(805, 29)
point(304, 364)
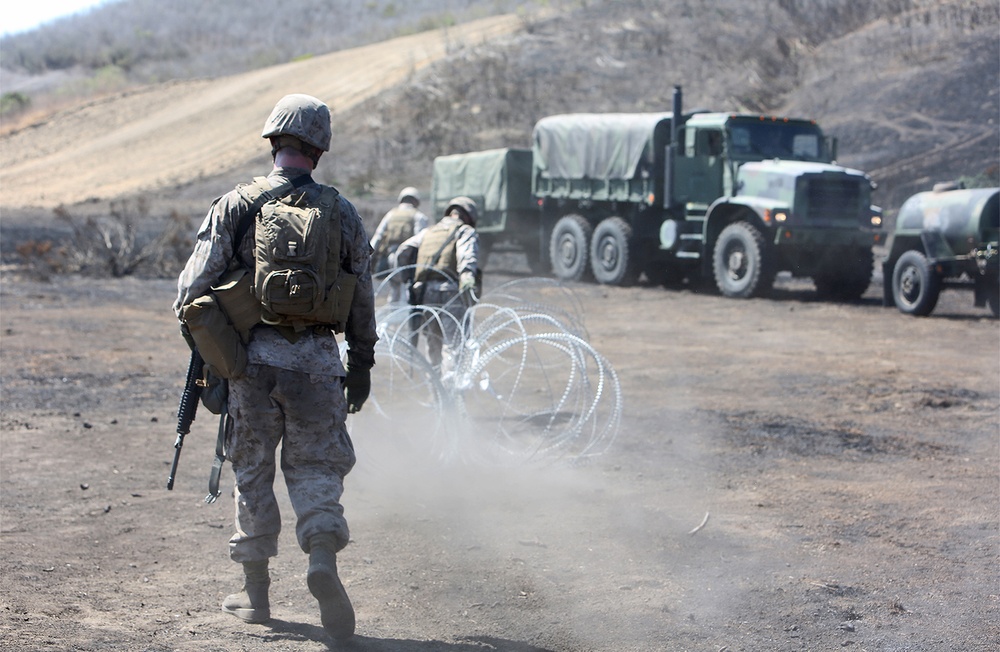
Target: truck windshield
point(787, 140)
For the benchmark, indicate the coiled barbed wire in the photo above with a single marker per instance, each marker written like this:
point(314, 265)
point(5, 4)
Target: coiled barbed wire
point(519, 380)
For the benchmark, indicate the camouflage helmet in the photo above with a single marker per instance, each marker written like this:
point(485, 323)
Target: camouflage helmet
point(467, 206)
point(301, 116)
point(411, 193)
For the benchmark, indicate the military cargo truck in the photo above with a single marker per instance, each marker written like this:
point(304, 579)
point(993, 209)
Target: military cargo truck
point(944, 238)
point(734, 197)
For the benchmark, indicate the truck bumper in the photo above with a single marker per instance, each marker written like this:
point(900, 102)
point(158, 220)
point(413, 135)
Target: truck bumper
point(826, 238)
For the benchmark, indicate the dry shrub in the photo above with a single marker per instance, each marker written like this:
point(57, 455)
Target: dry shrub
point(115, 245)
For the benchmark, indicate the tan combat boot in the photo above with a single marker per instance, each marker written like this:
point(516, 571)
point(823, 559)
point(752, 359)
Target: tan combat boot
point(251, 604)
point(335, 608)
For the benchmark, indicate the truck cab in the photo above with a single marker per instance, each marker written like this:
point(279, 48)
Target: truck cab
point(752, 195)
point(715, 145)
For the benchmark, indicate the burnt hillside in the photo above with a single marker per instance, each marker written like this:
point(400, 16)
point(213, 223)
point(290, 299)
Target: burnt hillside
point(909, 87)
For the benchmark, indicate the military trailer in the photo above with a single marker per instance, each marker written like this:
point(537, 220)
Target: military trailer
point(945, 238)
point(736, 197)
point(499, 181)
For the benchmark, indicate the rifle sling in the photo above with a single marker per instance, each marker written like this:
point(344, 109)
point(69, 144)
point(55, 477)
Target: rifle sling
point(220, 455)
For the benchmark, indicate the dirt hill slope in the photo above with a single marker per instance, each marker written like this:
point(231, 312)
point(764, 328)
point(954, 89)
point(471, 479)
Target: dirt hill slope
point(910, 88)
point(165, 135)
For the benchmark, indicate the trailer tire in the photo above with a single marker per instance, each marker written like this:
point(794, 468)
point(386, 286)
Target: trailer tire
point(741, 262)
point(569, 247)
point(915, 286)
point(612, 256)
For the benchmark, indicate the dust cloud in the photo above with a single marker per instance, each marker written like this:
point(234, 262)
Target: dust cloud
point(567, 536)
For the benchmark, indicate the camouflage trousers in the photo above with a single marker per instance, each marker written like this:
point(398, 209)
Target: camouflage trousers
point(442, 329)
point(306, 414)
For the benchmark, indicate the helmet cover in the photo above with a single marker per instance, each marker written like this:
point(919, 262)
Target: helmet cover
point(301, 116)
point(411, 192)
point(467, 206)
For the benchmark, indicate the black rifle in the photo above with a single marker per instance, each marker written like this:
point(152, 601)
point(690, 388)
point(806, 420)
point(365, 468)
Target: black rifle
point(187, 409)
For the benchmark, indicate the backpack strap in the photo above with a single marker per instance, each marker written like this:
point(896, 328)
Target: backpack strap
point(451, 236)
point(259, 193)
point(331, 209)
point(437, 254)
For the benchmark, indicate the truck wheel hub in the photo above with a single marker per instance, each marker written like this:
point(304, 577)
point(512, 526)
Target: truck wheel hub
point(909, 283)
point(568, 250)
point(737, 264)
point(609, 255)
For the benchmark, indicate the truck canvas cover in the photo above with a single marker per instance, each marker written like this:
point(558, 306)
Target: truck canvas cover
point(595, 145)
point(498, 180)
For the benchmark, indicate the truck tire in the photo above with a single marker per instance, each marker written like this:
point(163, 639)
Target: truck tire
point(915, 286)
point(612, 258)
point(569, 247)
point(847, 283)
point(740, 262)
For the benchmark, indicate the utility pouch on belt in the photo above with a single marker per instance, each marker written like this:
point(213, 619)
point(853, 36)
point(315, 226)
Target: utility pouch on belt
point(220, 323)
point(235, 296)
point(218, 342)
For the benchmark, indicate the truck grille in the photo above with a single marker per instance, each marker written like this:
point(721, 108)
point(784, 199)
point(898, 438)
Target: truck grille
point(832, 199)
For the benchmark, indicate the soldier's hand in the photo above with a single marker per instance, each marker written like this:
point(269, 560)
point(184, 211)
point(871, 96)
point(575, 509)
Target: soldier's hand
point(357, 387)
point(467, 283)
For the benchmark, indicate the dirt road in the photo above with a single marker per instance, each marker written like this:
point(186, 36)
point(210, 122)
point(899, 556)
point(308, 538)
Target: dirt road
point(845, 456)
point(167, 135)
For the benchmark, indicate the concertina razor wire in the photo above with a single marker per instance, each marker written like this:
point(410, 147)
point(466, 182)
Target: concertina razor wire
point(518, 380)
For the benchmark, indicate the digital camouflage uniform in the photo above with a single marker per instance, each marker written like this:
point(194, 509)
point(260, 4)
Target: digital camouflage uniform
point(291, 392)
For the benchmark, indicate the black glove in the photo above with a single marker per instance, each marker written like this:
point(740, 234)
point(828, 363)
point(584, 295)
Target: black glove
point(357, 387)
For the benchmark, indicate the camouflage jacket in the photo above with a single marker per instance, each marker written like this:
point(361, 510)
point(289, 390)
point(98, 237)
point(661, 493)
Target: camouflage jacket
point(316, 351)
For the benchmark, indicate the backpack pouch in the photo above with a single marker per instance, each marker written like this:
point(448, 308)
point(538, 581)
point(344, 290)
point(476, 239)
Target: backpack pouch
point(291, 252)
point(290, 293)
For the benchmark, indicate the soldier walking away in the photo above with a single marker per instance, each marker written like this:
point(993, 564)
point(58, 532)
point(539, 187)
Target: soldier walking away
point(400, 223)
point(292, 390)
point(446, 276)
